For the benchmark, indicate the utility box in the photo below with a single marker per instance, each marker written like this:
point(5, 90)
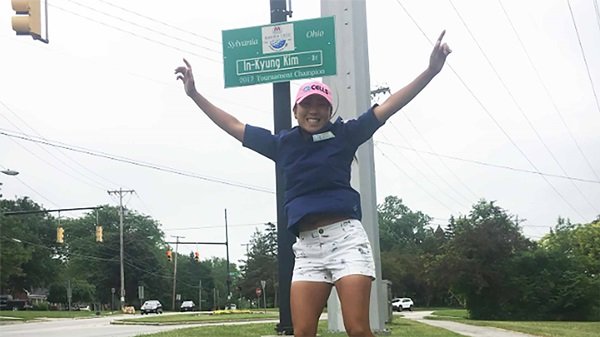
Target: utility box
point(387, 290)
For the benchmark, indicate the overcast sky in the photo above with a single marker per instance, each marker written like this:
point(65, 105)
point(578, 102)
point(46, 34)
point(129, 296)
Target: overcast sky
point(513, 117)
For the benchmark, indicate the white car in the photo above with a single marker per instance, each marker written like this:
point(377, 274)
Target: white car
point(402, 303)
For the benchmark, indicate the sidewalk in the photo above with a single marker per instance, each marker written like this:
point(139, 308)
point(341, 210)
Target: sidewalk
point(463, 329)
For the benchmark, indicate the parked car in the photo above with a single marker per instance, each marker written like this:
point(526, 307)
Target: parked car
point(7, 302)
point(402, 303)
point(151, 306)
point(187, 306)
point(81, 307)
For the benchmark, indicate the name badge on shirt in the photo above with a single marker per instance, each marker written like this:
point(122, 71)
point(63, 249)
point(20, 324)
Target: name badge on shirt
point(323, 136)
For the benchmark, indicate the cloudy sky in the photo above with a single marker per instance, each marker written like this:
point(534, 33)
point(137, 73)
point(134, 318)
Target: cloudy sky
point(513, 117)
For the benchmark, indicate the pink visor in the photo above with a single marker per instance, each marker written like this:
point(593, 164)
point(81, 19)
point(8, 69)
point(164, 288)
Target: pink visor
point(314, 88)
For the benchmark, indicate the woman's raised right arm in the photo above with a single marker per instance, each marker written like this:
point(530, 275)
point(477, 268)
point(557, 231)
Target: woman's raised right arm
point(224, 120)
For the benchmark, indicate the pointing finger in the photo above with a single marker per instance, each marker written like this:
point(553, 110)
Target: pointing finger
point(187, 63)
point(439, 40)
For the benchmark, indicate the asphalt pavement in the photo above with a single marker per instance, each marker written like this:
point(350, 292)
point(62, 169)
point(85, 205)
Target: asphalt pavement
point(463, 329)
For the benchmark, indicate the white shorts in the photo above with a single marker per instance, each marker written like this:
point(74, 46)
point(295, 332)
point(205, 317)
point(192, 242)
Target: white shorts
point(328, 253)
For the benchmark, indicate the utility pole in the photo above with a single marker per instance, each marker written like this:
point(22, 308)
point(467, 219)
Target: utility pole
point(352, 83)
point(199, 295)
point(247, 249)
point(380, 90)
point(228, 280)
point(175, 268)
point(120, 193)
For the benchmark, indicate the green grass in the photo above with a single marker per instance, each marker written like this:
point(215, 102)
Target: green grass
point(28, 315)
point(452, 313)
point(200, 318)
point(399, 328)
point(539, 328)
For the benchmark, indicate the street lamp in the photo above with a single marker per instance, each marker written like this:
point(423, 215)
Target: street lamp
point(10, 172)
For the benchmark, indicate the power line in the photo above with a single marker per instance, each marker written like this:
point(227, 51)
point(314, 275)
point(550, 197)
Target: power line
point(143, 27)
point(412, 179)
point(516, 103)
point(129, 262)
point(161, 22)
point(547, 91)
point(422, 174)
point(219, 226)
point(33, 189)
point(133, 162)
point(597, 13)
point(485, 109)
point(98, 184)
point(441, 161)
point(587, 68)
point(478, 162)
point(429, 166)
point(134, 34)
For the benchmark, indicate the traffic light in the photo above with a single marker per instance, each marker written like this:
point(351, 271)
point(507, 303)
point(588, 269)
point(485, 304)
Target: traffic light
point(28, 20)
point(197, 256)
point(169, 255)
point(98, 233)
point(60, 235)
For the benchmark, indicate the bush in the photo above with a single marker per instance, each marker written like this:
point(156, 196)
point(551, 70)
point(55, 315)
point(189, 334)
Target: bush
point(43, 306)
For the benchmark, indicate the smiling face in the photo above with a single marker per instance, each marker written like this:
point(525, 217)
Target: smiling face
point(312, 113)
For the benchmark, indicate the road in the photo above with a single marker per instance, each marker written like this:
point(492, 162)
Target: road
point(91, 327)
point(101, 327)
point(88, 327)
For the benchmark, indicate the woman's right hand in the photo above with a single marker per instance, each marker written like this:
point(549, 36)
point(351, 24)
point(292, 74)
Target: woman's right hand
point(184, 73)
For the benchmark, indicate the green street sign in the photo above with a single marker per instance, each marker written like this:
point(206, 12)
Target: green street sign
point(279, 52)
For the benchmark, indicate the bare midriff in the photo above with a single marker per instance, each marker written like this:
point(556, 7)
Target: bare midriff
point(319, 220)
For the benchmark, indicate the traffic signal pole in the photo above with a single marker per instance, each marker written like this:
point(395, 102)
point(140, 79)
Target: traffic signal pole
point(227, 250)
point(285, 239)
point(226, 244)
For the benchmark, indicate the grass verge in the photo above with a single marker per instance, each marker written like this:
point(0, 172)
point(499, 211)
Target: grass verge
point(28, 315)
point(198, 318)
point(538, 328)
point(400, 327)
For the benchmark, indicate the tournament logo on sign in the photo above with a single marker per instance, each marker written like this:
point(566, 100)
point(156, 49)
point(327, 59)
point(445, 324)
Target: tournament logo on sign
point(278, 38)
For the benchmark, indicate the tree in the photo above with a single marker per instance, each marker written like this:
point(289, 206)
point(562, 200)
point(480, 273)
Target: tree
point(261, 263)
point(28, 248)
point(98, 263)
point(399, 226)
point(549, 285)
point(581, 242)
point(477, 260)
point(409, 249)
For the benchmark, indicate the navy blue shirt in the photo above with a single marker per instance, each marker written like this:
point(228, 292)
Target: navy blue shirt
point(317, 167)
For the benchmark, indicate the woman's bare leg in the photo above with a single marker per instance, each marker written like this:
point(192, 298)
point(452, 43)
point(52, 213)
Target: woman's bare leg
point(354, 292)
point(307, 300)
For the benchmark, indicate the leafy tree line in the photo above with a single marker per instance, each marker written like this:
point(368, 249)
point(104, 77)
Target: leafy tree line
point(32, 260)
point(483, 262)
point(480, 261)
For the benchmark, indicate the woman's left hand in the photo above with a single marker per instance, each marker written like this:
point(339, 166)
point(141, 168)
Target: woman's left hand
point(439, 54)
